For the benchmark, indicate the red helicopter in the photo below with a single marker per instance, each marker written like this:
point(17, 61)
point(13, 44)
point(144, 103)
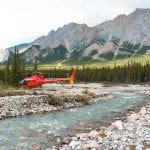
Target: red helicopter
point(38, 79)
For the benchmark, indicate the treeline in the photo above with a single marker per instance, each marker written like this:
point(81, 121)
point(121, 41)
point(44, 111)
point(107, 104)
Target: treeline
point(129, 73)
point(133, 72)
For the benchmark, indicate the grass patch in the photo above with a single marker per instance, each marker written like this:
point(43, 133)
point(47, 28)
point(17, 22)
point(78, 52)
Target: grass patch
point(55, 101)
point(28, 104)
point(68, 64)
point(87, 92)
point(8, 90)
point(94, 64)
point(84, 99)
point(11, 93)
point(61, 101)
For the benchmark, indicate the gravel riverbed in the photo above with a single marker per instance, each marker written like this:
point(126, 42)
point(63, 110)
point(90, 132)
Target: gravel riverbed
point(50, 99)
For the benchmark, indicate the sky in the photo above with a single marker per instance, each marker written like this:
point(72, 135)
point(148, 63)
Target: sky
point(23, 21)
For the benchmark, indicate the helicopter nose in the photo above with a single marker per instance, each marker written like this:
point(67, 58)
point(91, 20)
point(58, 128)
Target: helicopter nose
point(23, 83)
point(20, 83)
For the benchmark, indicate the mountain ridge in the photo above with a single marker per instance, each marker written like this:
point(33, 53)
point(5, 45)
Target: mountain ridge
point(123, 37)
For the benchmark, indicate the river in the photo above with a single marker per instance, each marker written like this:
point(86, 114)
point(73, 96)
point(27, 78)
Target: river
point(40, 129)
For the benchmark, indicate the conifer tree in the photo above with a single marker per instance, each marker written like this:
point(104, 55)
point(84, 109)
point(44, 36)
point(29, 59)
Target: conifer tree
point(35, 64)
point(7, 73)
point(16, 67)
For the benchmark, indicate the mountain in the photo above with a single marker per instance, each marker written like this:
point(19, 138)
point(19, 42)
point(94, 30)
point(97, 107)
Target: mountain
point(4, 54)
point(123, 37)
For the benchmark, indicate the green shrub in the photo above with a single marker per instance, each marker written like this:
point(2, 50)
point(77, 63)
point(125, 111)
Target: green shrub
point(84, 99)
point(28, 104)
point(87, 92)
point(55, 101)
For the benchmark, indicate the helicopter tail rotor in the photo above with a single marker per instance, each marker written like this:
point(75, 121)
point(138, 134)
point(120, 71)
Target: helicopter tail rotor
point(71, 80)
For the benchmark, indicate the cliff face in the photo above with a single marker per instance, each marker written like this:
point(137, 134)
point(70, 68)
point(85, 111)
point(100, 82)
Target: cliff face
point(4, 54)
point(123, 37)
point(134, 27)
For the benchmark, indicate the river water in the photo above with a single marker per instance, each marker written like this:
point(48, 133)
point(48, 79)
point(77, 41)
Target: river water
point(40, 129)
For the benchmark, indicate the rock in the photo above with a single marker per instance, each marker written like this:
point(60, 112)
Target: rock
point(58, 141)
point(74, 138)
point(146, 123)
point(73, 144)
point(92, 144)
point(143, 111)
point(111, 127)
point(133, 117)
point(23, 138)
point(37, 148)
point(118, 124)
point(83, 147)
point(53, 148)
point(79, 147)
point(66, 140)
point(93, 134)
point(82, 135)
point(147, 117)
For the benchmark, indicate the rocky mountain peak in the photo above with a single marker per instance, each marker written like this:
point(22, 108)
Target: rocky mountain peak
point(141, 10)
point(120, 17)
point(124, 36)
point(140, 14)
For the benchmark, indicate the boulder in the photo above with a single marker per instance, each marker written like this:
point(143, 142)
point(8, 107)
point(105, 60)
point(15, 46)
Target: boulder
point(74, 144)
point(66, 140)
point(80, 136)
point(58, 141)
point(133, 117)
point(91, 145)
point(93, 134)
point(118, 125)
point(143, 111)
point(111, 127)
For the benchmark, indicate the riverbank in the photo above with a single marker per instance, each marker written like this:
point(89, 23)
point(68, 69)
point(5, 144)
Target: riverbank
point(54, 98)
point(133, 133)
